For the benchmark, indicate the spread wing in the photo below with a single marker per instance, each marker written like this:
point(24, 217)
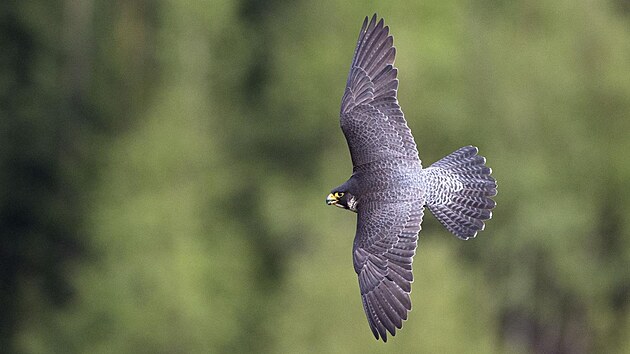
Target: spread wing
point(371, 119)
point(384, 246)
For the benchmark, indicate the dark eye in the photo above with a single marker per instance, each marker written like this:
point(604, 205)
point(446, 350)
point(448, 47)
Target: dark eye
point(339, 194)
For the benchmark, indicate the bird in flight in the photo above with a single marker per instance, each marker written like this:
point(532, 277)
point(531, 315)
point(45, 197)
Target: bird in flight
point(389, 188)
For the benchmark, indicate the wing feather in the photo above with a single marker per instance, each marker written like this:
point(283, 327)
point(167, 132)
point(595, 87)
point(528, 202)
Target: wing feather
point(383, 251)
point(371, 118)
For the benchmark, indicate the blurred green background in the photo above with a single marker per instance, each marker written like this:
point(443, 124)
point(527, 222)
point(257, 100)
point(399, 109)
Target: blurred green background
point(164, 165)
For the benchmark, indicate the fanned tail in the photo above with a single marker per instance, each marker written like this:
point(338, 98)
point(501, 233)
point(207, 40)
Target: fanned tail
point(458, 190)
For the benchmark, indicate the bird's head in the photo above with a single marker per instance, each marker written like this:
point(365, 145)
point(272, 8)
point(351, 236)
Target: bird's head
point(343, 200)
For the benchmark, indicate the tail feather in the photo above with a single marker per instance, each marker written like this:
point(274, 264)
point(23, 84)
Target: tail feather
point(458, 191)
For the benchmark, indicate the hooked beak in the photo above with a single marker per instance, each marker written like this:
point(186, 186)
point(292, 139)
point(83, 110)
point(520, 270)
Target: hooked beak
point(331, 199)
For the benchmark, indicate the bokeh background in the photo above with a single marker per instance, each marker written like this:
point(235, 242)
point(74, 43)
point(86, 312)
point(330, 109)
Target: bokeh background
point(164, 165)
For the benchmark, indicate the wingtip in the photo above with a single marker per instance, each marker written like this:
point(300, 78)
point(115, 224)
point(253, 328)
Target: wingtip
point(373, 21)
point(380, 23)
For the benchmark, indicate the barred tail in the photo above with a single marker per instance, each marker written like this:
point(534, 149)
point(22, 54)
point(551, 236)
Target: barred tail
point(458, 191)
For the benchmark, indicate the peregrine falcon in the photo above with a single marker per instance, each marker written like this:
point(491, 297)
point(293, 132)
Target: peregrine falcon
point(389, 188)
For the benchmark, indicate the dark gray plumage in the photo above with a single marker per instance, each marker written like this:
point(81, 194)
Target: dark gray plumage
point(389, 188)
